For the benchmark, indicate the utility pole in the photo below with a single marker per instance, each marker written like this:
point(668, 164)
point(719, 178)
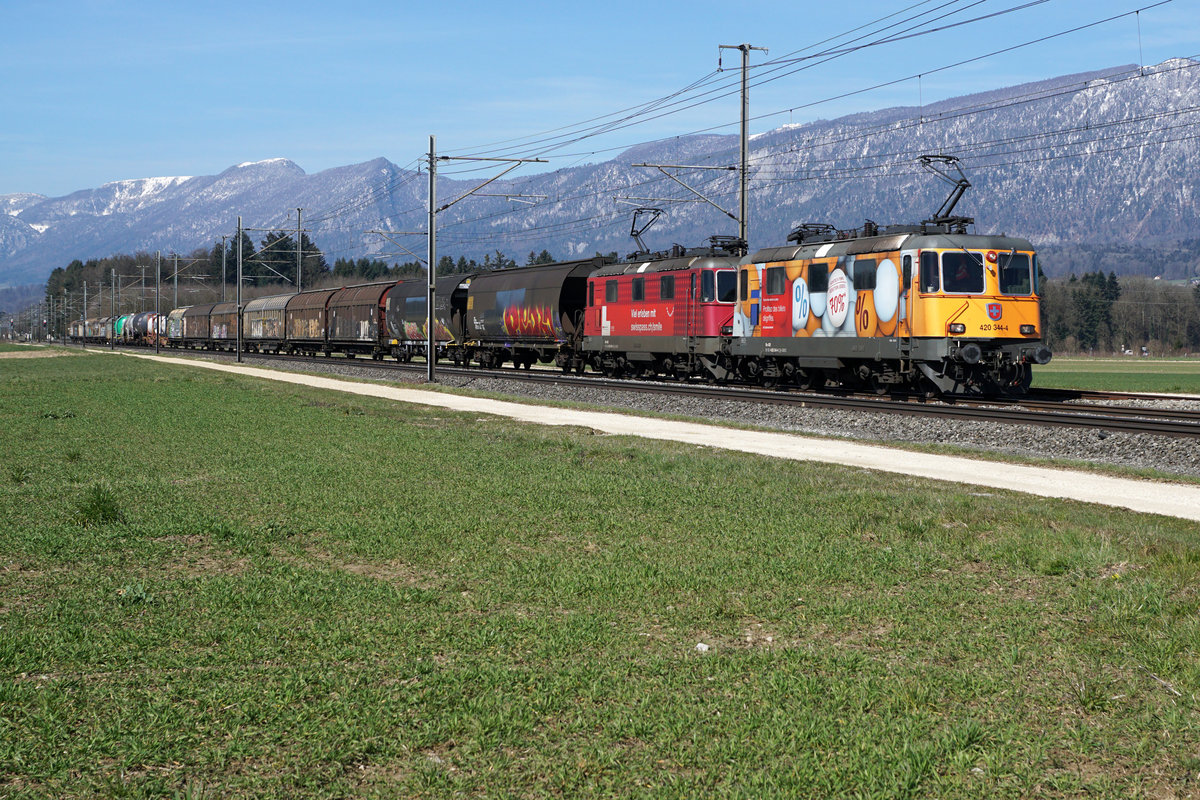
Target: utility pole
point(239, 291)
point(158, 326)
point(743, 221)
point(434, 209)
point(83, 318)
point(176, 277)
point(112, 307)
point(299, 261)
point(223, 272)
point(430, 335)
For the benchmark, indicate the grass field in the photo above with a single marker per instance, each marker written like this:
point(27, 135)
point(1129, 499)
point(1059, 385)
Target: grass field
point(213, 586)
point(1127, 374)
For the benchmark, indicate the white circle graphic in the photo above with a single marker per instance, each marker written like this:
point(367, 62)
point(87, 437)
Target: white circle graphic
point(887, 290)
point(800, 305)
point(838, 298)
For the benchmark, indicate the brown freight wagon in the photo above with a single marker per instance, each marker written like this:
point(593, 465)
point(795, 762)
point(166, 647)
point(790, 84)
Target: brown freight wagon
point(223, 323)
point(356, 321)
point(304, 322)
point(196, 326)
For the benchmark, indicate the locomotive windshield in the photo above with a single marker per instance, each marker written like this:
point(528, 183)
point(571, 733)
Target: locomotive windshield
point(1015, 274)
point(962, 273)
point(718, 286)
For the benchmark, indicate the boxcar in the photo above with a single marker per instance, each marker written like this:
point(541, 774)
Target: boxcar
point(356, 322)
point(223, 326)
point(304, 322)
point(263, 321)
point(174, 326)
point(197, 328)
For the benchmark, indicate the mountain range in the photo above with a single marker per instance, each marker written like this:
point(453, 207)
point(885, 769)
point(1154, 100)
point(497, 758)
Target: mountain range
point(1104, 160)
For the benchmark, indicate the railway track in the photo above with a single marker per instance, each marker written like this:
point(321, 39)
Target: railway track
point(1047, 408)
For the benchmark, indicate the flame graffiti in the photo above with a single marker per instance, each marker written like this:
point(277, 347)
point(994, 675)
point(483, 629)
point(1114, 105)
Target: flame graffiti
point(416, 332)
point(521, 321)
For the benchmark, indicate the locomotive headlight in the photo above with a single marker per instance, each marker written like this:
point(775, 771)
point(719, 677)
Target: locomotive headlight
point(956, 327)
point(727, 330)
point(1028, 330)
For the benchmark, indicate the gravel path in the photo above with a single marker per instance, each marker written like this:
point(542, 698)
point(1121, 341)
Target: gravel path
point(1165, 453)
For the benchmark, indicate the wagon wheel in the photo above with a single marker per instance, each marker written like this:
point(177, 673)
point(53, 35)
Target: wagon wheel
point(810, 379)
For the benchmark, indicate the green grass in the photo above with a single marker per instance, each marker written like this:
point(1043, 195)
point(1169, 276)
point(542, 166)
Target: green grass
point(1125, 374)
point(213, 586)
point(10, 347)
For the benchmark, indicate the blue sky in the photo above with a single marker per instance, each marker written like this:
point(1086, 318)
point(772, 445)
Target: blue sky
point(102, 91)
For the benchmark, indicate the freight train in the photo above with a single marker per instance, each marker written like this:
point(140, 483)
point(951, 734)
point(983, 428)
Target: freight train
point(913, 307)
point(928, 308)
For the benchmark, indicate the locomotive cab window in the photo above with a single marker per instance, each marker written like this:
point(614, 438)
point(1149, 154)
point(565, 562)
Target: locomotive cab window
point(726, 286)
point(930, 282)
point(744, 285)
point(962, 273)
point(1015, 275)
point(610, 291)
point(591, 295)
point(639, 289)
point(777, 280)
point(666, 287)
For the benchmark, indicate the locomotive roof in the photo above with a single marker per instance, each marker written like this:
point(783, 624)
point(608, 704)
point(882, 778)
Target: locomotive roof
point(882, 244)
point(667, 265)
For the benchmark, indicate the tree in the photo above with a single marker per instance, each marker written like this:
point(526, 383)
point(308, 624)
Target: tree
point(277, 259)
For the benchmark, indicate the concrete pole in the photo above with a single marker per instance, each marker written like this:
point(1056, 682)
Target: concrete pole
point(157, 305)
point(239, 291)
point(299, 253)
point(431, 344)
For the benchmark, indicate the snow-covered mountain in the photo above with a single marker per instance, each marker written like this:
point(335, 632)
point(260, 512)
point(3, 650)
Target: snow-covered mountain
point(1100, 158)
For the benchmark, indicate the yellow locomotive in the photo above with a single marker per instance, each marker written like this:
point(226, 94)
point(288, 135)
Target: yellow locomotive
point(923, 307)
